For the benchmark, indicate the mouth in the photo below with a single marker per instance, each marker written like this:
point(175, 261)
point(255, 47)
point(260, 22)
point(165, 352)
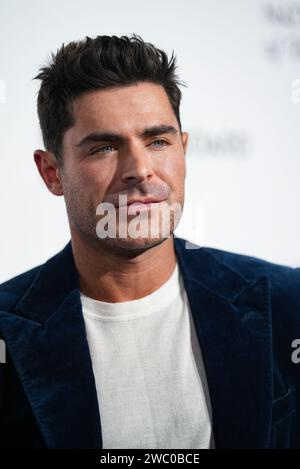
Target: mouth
point(141, 203)
point(135, 206)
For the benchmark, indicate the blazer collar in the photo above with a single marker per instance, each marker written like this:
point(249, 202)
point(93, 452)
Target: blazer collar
point(45, 336)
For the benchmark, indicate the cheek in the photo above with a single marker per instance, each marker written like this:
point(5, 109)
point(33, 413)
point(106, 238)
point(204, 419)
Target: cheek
point(93, 179)
point(174, 169)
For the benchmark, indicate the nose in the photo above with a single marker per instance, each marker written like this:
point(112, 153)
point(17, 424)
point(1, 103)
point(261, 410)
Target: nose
point(137, 165)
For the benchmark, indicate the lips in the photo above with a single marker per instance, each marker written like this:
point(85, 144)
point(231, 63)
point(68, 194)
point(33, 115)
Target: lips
point(144, 201)
point(141, 202)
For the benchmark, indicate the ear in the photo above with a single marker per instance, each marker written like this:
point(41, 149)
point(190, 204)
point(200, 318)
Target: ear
point(48, 168)
point(184, 137)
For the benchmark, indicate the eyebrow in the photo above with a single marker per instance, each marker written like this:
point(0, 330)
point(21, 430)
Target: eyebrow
point(113, 137)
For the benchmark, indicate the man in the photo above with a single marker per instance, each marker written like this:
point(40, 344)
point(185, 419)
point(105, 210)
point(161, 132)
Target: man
point(131, 337)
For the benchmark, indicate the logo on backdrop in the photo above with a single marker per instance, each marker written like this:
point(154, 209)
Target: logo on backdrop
point(284, 21)
point(230, 144)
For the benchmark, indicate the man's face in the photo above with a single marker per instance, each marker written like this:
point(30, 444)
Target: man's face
point(140, 153)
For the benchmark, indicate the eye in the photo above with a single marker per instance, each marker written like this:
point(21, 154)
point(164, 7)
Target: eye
point(159, 143)
point(104, 149)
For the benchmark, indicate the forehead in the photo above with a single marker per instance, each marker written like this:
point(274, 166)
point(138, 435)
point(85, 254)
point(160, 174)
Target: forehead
point(123, 109)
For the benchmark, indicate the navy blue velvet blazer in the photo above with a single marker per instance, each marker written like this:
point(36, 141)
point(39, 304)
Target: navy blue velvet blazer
point(247, 315)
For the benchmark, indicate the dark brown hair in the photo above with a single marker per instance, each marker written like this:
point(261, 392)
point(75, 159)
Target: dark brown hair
point(95, 64)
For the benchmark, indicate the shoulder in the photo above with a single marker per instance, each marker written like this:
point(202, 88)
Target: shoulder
point(12, 289)
point(284, 283)
point(251, 267)
point(284, 280)
point(247, 266)
point(52, 269)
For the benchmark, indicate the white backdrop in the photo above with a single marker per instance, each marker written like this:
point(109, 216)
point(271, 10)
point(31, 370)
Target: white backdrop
point(240, 60)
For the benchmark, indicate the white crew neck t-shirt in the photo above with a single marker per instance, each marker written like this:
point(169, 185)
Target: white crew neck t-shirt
point(149, 374)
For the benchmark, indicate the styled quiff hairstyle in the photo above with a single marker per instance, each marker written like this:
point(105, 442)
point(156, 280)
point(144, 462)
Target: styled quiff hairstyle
point(95, 64)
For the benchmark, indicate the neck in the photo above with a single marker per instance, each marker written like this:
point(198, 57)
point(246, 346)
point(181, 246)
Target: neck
point(108, 275)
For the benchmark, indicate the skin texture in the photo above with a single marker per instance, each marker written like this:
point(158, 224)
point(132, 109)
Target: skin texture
point(119, 269)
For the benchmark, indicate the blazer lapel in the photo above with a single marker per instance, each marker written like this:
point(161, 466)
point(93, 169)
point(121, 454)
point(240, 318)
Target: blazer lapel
point(233, 324)
point(45, 336)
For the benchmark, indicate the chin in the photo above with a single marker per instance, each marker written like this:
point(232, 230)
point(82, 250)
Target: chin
point(132, 245)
